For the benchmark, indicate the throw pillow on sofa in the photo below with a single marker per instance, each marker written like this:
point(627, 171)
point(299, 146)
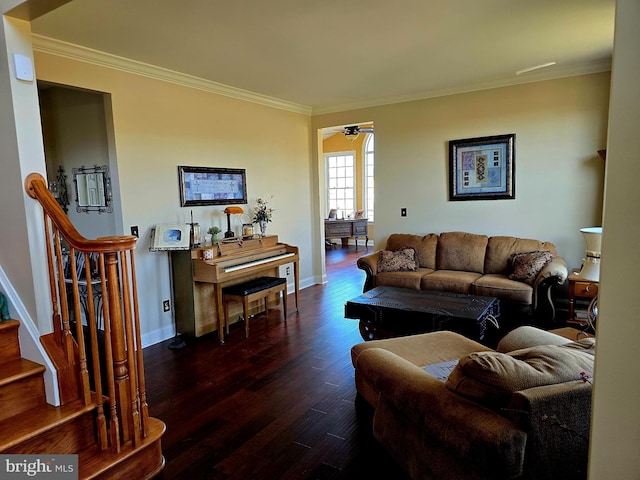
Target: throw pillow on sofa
point(491, 378)
point(403, 259)
point(527, 266)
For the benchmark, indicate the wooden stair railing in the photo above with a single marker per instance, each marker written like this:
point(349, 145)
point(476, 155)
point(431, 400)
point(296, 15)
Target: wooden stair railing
point(82, 271)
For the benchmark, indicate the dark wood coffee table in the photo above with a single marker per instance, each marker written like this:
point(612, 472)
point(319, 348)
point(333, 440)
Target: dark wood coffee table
point(391, 312)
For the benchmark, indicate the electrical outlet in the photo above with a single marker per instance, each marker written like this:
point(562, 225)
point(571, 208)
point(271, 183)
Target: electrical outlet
point(288, 270)
point(166, 305)
point(134, 231)
point(403, 212)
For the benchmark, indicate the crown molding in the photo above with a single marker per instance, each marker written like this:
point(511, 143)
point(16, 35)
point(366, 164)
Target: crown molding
point(76, 52)
point(562, 72)
point(83, 54)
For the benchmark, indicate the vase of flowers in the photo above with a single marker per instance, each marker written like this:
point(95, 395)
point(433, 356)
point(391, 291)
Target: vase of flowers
point(262, 213)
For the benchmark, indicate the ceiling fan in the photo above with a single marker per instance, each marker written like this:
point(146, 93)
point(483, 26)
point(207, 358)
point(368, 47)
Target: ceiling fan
point(355, 130)
point(350, 132)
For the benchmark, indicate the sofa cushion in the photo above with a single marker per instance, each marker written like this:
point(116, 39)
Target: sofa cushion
point(526, 266)
point(501, 287)
point(423, 349)
point(449, 281)
point(527, 336)
point(461, 251)
point(401, 260)
point(425, 247)
point(402, 279)
point(492, 377)
point(501, 248)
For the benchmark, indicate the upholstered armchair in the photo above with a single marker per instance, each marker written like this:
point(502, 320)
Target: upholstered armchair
point(521, 411)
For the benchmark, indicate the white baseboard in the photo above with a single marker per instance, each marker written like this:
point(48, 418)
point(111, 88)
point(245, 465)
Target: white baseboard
point(157, 336)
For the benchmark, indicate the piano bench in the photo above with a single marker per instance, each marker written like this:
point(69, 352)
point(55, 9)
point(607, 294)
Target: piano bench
point(257, 289)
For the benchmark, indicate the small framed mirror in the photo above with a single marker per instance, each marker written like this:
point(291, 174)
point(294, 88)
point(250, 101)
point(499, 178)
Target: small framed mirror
point(93, 189)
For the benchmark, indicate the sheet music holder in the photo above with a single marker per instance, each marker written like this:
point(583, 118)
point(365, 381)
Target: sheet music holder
point(166, 238)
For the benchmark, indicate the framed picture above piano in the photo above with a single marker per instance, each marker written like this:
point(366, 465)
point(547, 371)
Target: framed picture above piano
point(212, 186)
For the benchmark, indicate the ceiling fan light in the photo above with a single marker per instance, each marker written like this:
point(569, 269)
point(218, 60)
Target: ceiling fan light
point(351, 133)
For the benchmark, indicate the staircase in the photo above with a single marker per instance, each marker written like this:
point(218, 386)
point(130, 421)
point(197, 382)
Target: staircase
point(96, 351)
point(29, 425)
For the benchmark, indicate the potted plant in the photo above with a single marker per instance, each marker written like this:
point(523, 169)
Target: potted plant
point(214, 231)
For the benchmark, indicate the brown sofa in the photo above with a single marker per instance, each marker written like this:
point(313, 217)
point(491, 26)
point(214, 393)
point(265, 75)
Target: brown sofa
point(522, 411)
point(461, 262)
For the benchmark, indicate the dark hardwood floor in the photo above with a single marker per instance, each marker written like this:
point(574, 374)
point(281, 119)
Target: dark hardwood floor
point(278, 405)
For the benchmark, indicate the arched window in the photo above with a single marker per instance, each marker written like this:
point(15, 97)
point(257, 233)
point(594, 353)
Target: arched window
point(368, 176)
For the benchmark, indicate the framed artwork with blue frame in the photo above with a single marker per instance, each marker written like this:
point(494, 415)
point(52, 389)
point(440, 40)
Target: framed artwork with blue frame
point(482, 168)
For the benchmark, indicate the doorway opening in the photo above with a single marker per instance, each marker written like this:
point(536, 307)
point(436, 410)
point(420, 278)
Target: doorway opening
point(77, 130)
point(348, 153)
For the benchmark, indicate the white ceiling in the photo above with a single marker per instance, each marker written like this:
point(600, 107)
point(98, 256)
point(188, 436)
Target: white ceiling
point(338, 54)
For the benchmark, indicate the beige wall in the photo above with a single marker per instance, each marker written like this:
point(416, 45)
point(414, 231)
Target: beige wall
point(559, 127)
point(23, 271)
point(160, 125)
point(22, 153)
point(615, 435)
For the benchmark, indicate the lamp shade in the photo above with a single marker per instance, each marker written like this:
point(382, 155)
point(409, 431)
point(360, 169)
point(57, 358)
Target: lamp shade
point(591, 266)
point(233, 210)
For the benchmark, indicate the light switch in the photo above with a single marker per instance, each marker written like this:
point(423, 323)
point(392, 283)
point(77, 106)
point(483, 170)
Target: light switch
point(24, 67)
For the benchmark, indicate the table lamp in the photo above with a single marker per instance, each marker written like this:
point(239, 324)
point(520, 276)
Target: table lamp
point(231, 211)
point(591, 265)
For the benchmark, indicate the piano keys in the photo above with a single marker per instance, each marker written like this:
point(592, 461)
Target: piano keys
point(255, 263)
point(198, 283)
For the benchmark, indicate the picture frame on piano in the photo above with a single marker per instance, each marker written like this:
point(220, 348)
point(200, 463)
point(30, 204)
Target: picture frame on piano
point(212, 186)
point(170, 237)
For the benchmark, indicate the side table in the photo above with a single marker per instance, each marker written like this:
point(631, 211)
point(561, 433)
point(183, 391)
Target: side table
point(347, 228)
point(571, 333)
point(580, 289)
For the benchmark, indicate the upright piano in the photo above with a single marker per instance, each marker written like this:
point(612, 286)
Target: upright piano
point(198, 281)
